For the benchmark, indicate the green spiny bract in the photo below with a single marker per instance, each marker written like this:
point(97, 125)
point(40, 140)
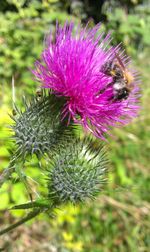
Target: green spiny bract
point(39, 130)
point(78, 172)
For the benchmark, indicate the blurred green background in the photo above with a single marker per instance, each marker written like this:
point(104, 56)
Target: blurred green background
point(117, 221)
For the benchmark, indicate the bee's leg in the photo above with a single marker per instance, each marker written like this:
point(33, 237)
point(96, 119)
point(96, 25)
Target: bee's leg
point(101, 91)
point(112, 99)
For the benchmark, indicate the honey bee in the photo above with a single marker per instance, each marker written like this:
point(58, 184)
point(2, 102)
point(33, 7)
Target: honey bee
point(122, 78)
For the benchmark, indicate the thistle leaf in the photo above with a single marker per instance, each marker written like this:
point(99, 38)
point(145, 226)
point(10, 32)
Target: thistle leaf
point(42, 203)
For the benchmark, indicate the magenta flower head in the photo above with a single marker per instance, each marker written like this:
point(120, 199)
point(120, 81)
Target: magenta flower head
point(101, 90)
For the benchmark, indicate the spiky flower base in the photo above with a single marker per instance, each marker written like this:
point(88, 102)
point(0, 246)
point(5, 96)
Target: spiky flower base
point(39, 130)
point(78, 172)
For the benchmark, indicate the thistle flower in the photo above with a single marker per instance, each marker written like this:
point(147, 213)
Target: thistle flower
point(73, 65)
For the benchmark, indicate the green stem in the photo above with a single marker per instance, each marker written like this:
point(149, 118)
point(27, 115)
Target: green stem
point(30, 216)
point(5, 175)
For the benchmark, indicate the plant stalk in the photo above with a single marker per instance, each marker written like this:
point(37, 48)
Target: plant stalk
point(30, 216)
point(5, 175)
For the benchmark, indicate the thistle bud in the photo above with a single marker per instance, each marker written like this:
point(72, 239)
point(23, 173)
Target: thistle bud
point(78, 172)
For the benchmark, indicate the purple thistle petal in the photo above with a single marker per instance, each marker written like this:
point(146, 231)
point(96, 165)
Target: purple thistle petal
point(72, 67)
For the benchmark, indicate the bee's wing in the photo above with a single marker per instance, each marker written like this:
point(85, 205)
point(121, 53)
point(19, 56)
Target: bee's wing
point(120, 61)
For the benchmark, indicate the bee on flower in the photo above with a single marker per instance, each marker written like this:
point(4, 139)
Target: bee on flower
point(100, 88)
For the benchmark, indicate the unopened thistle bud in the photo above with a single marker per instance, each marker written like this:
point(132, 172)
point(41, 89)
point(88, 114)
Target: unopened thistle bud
point(78, 172)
